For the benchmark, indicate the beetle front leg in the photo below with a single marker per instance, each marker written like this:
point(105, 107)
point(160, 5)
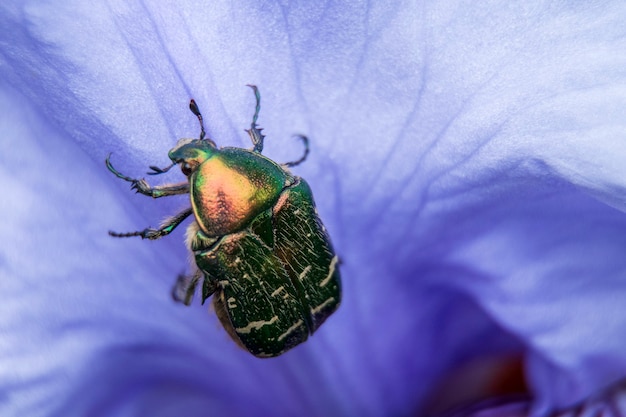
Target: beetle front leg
point(142, 187)
point(166, 228)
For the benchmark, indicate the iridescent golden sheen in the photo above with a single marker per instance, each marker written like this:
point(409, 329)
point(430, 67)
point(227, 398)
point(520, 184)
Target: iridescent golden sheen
point(229, 190)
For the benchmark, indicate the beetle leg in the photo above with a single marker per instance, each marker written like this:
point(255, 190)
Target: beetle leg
point(185, 287)
point(255, 131)
point(166, 228)
point(304, 140)
point(142, 187)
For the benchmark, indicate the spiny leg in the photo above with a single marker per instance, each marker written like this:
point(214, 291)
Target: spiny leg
point(166, 228)
point(185, 287)
point(142, 187)
point(305, 140)
point(255, 132)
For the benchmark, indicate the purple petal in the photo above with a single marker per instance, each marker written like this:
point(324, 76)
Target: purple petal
point(466, 159)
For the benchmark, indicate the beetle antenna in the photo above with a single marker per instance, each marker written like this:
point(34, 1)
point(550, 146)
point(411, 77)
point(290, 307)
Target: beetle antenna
point(195, 110)
point(156, 170)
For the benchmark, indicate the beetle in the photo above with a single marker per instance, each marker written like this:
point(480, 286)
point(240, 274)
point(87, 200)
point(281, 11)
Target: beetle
point(260, 248)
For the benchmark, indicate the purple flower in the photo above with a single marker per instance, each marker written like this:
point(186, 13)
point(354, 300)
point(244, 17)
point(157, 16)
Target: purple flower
point(467, 159)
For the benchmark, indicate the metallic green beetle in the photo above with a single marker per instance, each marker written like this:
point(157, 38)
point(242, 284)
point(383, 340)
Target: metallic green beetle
point(260, 247)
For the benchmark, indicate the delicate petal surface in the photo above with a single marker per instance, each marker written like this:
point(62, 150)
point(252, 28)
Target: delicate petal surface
point(607, 403)
point(467, 159)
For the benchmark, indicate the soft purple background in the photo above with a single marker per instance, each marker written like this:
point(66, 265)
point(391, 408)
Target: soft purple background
point(468, 159)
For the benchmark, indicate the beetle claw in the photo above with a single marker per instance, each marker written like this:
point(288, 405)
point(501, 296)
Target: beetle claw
point(141, 187)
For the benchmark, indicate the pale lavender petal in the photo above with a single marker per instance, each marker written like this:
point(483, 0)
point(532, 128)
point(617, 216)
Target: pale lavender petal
point(466, 158)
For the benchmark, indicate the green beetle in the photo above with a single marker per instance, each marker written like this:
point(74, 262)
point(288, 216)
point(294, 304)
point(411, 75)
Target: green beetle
point(260, 247)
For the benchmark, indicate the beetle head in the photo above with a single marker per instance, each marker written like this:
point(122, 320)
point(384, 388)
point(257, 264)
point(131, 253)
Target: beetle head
point(190, 153)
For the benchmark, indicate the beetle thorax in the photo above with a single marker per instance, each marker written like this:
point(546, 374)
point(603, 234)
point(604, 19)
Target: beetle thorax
point(226, 197)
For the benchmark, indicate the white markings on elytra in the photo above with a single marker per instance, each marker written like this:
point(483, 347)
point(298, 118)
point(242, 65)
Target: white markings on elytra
point(289, 330)
point(304, 272)
point(256, 325)
point(277, 291)
point(232, 302)
point(319, 308)
point(331, 271)
point(224, 283)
